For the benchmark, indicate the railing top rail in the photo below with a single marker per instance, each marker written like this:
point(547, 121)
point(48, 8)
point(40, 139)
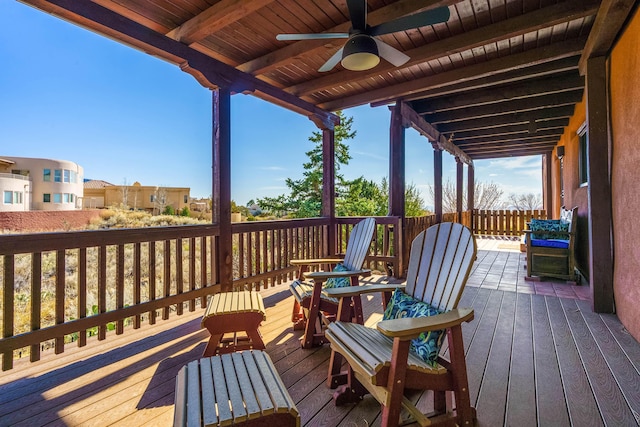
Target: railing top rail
point(14, 176)
point(280, 224)
point(11, 244)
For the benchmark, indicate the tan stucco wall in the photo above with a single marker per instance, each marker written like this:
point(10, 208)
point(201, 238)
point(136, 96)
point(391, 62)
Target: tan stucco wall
point(574, 194)
point(625, 123)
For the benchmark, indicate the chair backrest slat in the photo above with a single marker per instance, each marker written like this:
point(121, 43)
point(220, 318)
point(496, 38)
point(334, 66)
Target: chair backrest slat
point(440, 263)
point(359, 242)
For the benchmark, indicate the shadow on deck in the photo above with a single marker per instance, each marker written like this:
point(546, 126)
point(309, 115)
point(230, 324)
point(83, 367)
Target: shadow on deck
point(533, 359)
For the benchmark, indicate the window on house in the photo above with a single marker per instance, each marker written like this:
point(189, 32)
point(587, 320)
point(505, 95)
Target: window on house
point(57, 198)
point(8, 197)
point(17, 197)
point(46, 198)
point(47, 175)
point(583, 151)
point(65, 197)
point(71, 197)
point(74, 177)
point(57, 175)
point(67, 175)
point(186, 198)
point(153, 199)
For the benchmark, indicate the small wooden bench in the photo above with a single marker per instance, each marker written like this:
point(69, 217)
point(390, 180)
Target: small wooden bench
point(231, 313)
point(237, 389)
point(552, 255)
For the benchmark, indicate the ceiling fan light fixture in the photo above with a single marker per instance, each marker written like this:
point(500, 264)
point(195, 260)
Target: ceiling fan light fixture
point(360, 53)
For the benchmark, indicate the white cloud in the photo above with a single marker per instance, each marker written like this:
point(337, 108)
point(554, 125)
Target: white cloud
point(271, 168)
point(494, 174)
point(516, 163)
point(368, 154)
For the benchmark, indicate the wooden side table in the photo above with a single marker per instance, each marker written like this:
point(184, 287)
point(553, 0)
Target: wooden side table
point(234, 313)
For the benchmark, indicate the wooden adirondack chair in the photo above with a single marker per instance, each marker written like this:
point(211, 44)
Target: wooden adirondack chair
point(311, 303)
point(380, 360)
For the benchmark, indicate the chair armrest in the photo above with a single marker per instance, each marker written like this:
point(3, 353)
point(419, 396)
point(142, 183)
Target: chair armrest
point(316, 261)
point(409, 328)
point(351, 291)
point(324, 275)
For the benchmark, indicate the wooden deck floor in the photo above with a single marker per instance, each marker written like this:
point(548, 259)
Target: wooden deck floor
point(533, 359)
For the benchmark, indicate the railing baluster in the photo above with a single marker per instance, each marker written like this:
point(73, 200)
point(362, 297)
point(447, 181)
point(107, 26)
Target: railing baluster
point(152, 280)
point(192, 271)
point(179, 275)
point(137, 281)
point(7, 309)
point(120, 287)
point(82, 293)
point(241, 255)
point(102, 288)
point(166, 277)
point(203, 268)
point(36, 301)
point(60, 297)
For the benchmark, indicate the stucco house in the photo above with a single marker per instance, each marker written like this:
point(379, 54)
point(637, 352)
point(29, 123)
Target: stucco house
point(100, 194)
point(40, 184)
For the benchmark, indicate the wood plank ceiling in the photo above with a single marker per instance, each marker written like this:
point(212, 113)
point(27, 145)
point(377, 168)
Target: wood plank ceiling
point(499, 78)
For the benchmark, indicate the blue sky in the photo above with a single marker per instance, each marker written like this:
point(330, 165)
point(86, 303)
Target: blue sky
point(67, 93)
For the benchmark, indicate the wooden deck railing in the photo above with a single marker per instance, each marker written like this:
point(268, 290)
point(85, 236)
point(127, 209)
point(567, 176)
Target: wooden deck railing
point(503, 222)
point(63, 287)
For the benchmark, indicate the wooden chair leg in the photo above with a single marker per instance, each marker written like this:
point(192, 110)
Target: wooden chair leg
point(297, 316)
point(336, 377)
point(212, 345)
point(313, 317)
point(395, 384)
point(464, 412)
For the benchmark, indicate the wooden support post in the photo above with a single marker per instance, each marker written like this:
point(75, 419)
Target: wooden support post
point(599, 189)
point(437, 183)
point(471, 189)
point(396, 163)
point(548, 194)
point(459, 185)
point(329, 185)
point(221, 165)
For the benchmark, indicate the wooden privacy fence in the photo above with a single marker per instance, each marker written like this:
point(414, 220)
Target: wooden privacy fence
point(63, 287)
point(503, 222)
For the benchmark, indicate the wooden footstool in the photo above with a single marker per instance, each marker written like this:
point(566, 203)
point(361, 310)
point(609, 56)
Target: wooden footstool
point(231, 313)
point(237, 389)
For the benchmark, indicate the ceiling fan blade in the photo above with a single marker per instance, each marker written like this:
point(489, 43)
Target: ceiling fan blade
point(421, 19)
point(312, 36)
point(358, 14)
point(328, 66)
point(391, 54)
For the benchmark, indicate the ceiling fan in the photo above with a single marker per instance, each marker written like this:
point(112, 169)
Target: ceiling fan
point(362, 51)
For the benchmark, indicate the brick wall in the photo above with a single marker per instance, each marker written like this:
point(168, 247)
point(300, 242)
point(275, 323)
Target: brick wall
point(46, 220)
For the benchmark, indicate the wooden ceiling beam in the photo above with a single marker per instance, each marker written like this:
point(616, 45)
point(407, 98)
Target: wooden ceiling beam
point(503, 119)
point(472, 151)
point(515, 106)
point(507, 63)
point(209, 72)
point(542, 18)
point(519, 75)
point(215, 18)
point(532, 128)
point(553, 84)
point(609, 20)
point(517, 137)
point(302, 48)
point(411, 118)
point(514, 153)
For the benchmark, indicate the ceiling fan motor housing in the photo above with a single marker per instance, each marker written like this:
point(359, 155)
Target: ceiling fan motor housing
point(360, 53)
